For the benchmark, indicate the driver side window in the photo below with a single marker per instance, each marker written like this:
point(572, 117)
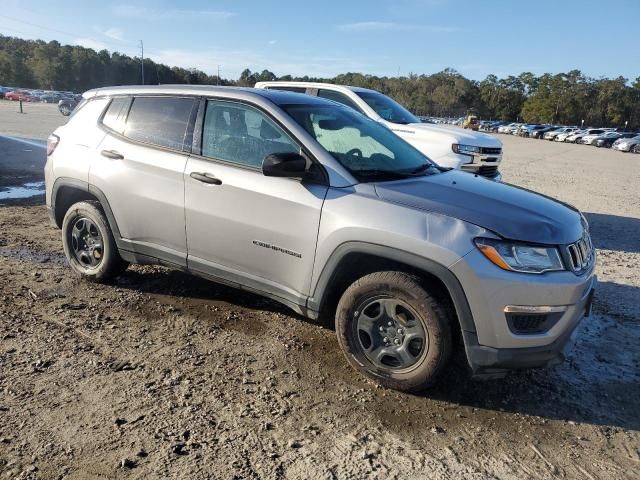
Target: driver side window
point(240, 134)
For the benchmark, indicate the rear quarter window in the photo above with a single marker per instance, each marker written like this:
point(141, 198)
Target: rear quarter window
point(116, 114)
point(87, 113)
point(161, 121)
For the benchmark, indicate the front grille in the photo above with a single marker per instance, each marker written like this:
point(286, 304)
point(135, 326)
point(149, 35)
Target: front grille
point(490, 151)
point(580, 254)
point(488, 170)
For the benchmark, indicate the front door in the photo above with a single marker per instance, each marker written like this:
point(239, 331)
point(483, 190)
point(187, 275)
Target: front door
point(241, 225)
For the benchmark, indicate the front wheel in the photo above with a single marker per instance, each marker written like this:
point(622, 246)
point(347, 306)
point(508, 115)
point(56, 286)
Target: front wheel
point(393, 331)
point(89, 244)
point(636, 149)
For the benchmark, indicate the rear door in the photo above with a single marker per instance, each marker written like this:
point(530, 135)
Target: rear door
point(241, 225)
point(139, 167)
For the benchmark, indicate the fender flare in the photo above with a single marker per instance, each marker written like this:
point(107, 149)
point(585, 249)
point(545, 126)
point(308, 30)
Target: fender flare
point(450, 281)
point(96, 192)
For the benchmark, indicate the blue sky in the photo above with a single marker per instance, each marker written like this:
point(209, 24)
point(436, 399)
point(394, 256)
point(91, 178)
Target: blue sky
point(330, 37)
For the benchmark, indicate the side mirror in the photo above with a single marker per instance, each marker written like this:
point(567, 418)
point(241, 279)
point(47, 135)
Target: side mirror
point(285, 164)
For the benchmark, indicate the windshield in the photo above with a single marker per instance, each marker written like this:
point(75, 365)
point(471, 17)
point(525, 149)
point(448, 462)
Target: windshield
point(388, 108)
point(367, 149)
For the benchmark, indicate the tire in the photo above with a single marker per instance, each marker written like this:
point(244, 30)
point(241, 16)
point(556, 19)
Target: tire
point(636, 149)
point(89, 244)
point(365, 330)
point(64, 110)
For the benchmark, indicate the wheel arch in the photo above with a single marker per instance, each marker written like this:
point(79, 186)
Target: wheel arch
point(352, 260)
point(67, 191)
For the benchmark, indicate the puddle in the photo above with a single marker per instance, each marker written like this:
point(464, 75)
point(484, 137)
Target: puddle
point(26, 190)
point(32, 256)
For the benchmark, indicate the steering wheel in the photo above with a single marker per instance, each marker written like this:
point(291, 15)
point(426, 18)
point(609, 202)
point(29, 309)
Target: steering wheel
point(355, 151)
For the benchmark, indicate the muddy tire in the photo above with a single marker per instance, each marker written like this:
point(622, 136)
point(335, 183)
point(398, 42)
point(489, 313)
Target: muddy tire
point(393, 331)
point(89, 244)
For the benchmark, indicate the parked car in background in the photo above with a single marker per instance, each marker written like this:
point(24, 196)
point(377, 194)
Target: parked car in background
point(513, 128)
point(627, 144)
point(531, 130)
point(17, 95)
point(469, 151)
point(563, 136)
point(51, 97)
point(4, 90)
point(589, 139)
point(492, 126)
point(552, 134)
point(539, 132)
point(579, 136)
point(68, 104)
point(608, 138)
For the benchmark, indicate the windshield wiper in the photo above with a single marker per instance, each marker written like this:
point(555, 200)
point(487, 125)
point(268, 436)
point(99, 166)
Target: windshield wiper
point(377, 173)
point(421, 168)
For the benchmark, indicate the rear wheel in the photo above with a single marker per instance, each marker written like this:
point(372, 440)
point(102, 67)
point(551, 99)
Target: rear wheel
point(393, 331)
point(89, 244)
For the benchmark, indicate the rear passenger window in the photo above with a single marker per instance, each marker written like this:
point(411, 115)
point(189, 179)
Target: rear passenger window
point(160, 121)
point(116, 113)
point(338, 97)
point(240, 134)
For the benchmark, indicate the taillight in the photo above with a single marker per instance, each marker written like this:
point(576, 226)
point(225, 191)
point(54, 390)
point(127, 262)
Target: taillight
point(52, 143)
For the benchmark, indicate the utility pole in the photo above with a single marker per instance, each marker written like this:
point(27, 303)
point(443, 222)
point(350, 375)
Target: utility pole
point(218, 79)
point(142, 60)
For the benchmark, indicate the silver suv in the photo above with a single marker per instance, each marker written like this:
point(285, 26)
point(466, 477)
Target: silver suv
point(310, 203)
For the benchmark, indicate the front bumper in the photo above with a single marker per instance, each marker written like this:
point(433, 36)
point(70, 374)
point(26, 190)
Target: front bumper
point(489, 361)
point(493, 348)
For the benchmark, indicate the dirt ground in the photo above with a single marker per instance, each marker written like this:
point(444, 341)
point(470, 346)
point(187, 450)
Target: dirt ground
point(162, 375)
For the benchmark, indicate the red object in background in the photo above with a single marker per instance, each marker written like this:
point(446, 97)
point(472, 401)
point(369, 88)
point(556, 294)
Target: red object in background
point(19, 95)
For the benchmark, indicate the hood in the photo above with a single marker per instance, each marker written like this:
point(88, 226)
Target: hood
point(511, 212)
point(458, 135)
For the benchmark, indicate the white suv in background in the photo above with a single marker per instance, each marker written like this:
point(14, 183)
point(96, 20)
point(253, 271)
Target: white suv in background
point(448, 146)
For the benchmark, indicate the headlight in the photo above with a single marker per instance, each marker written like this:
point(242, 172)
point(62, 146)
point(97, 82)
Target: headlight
point(464, 149)
point(520, 257)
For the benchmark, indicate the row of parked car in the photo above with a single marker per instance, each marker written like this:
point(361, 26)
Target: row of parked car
point(66, 100)
point(618, 139)
point(46, 96)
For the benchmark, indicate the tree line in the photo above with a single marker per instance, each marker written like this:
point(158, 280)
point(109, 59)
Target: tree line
point(564, 98)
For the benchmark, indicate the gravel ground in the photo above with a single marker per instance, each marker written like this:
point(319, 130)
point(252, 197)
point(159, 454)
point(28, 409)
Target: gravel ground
point(162, 375)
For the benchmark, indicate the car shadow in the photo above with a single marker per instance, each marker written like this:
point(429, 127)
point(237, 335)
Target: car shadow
point(612, 232)
point(598, 383)
point(178, 284)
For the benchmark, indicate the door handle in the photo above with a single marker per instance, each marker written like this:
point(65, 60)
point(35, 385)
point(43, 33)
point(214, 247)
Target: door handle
point(205, 178)
point(112, 154)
